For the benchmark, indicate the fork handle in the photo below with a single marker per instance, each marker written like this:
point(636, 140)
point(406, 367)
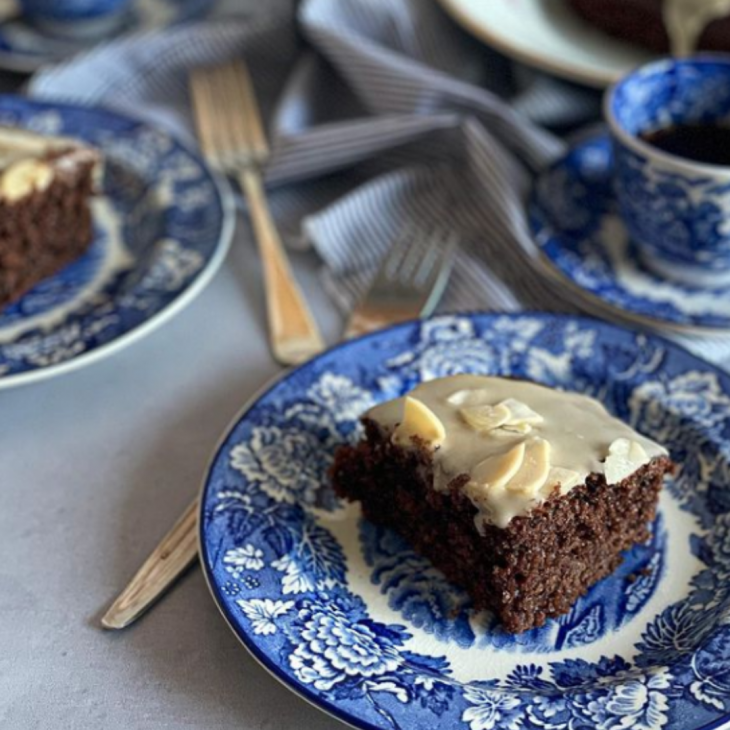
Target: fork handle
point(169, 559)
point(293, 333)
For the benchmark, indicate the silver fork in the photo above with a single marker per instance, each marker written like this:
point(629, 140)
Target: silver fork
point(409, 282)
point(233, 141)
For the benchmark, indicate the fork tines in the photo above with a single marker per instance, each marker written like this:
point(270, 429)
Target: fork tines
point(409, 282)
point(227, 116)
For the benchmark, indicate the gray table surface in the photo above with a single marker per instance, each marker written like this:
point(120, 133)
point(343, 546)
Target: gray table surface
point(95, 467)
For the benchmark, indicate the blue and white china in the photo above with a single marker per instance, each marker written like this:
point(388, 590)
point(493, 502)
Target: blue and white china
point(163, 223)
point(74, 18)
point(575, 220)
point(26, 44)
point(344, 614)
point(676, 210)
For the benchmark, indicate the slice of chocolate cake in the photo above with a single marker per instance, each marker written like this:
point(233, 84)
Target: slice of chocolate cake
point(45, 217)
point(522, 495)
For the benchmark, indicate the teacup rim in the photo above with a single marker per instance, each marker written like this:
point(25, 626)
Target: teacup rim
point(644, 148)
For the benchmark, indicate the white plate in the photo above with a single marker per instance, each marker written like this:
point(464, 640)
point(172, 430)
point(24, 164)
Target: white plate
point(547, 35)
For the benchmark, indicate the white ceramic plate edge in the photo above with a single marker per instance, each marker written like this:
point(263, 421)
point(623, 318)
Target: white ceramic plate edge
point(596, 77)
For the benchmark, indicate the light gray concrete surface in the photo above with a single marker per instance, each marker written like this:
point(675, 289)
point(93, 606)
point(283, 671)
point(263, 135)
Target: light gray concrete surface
point(95, 466)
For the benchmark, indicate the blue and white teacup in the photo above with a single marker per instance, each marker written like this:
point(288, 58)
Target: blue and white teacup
point(75, 18)
point(676, 210)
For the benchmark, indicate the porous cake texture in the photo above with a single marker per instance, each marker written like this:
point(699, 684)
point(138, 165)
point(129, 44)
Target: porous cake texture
point(522, 495)
point(45, 216)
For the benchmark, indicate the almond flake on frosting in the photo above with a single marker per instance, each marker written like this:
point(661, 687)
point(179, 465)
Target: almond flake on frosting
point(497, 470)
point(419, 420)
point(485, 418)
point(624, 458)
point(23, 177)
point(566, 478)
point(521, 413)
point(514, 428)
point(533, 471)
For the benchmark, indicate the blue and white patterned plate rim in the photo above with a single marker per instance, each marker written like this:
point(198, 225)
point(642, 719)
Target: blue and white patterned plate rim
point(244, 639)
point(250, 646)
point(14, 58)
point(571, 269)
point(187, 293)
point(247, 636)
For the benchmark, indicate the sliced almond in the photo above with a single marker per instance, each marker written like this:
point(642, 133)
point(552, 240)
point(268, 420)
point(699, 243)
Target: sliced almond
point(485, 418)
point(534, 468)
point(513, 428)
point(418, 420)
point(473, 397)
point(497, 470)
point(22, 177)
point(624, 458)
point(521, 413)
point(566, 478)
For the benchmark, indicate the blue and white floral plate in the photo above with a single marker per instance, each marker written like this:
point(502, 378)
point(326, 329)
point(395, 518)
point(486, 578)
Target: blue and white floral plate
point(574, 218)
point(25, 48)
point(163, 225)
point(348, 617)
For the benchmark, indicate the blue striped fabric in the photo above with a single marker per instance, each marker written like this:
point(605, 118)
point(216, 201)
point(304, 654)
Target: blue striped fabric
point(384, 116)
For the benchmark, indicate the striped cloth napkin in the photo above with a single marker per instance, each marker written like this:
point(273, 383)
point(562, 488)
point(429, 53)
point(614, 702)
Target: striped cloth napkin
point(384, 116)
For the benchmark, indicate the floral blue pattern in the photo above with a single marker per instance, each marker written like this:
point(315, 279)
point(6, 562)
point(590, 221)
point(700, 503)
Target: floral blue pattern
point(574, 219)
point(674, 219)
point(25, 48)
point(162, 228)
point(345, 614)
point(672, 207)
point(425, 598)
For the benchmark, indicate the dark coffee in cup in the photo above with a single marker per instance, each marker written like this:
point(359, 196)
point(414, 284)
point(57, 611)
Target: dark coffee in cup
point(706, 143)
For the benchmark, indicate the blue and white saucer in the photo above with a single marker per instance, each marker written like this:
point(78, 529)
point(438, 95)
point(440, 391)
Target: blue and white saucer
point(574, 219)
point(348, 617)
point(163, 225)
point(25, 48)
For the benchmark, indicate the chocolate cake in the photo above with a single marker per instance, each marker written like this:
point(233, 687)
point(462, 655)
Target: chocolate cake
point(45, 217)
point(679, 26)
point(522, 495)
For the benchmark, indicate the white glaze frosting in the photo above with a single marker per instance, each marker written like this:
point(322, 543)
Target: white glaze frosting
point(686, 19)
point(21, 168)
point(533, 439)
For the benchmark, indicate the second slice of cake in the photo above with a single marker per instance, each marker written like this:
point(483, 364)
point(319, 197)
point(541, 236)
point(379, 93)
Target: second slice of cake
point(522, 495)
point(46, 184)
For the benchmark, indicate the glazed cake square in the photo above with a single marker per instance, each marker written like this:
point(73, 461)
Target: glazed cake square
point(522, 495)
point(46, 184)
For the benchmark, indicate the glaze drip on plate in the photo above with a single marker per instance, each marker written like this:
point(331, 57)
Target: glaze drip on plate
point(517, 441)
point(685, 20)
